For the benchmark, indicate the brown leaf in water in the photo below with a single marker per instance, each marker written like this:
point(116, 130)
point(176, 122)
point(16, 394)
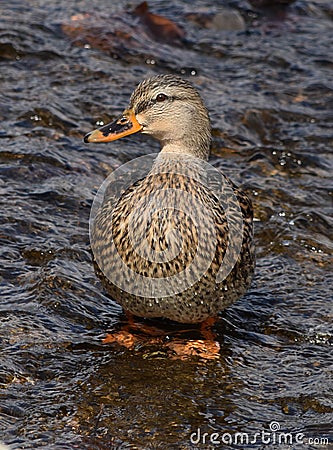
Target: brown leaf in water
point(159, 27)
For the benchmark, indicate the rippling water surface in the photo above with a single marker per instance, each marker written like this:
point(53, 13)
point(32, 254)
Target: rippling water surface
point(269, 87)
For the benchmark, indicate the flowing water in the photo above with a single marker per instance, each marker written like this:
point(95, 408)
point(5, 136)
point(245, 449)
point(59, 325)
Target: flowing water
point(268, 84)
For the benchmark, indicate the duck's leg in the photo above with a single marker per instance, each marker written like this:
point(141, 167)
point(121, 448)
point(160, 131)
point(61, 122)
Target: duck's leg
point(134, 332)
point(207, 348)
point(206, 328)
point(121, 337)
point(133, 323)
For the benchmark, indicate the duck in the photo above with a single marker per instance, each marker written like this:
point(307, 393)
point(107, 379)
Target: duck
point(176, 243)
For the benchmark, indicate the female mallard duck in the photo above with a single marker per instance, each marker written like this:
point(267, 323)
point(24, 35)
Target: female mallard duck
point(173, 245)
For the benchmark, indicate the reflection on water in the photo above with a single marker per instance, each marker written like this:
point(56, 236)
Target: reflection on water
point(268, 86)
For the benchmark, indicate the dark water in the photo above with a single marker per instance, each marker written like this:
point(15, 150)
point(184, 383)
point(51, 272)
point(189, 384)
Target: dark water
point(269, 88)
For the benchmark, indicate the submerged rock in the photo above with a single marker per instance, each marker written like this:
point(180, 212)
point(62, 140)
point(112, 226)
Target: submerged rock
point(227, 19)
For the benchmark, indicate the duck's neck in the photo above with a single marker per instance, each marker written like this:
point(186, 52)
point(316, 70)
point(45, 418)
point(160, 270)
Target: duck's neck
point(180, 163)
point(195, 144)
point(174, 147)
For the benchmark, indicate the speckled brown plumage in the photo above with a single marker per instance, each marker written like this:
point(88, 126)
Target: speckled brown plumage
point(206, 297)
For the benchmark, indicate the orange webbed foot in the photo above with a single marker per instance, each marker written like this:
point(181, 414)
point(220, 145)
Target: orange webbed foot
point(200, 348)
point(136, 332)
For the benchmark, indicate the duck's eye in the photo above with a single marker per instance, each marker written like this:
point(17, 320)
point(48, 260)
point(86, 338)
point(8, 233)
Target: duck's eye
point(161, 97)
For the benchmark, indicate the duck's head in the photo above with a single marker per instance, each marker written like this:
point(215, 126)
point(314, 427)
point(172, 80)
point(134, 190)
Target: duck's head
point(170, 110)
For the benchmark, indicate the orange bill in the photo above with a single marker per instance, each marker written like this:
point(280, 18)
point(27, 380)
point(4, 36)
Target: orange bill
point(123, 126)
